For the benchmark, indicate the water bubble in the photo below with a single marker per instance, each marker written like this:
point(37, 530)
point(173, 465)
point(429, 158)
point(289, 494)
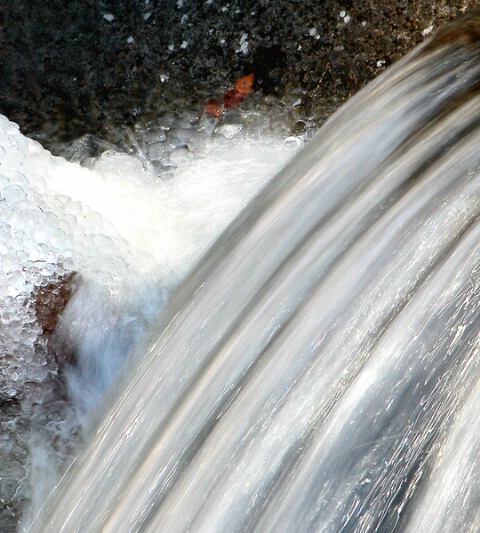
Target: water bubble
point(180, 157)
point(13, 195)
point(4, 249)
point(230, 130)
point(153, 135)
point(293, 142)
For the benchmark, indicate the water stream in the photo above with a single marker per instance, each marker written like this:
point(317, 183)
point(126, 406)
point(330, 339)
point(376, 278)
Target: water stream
point(318, 370)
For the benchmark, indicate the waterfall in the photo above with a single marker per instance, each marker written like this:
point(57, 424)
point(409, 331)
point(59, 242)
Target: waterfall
point(317, 371)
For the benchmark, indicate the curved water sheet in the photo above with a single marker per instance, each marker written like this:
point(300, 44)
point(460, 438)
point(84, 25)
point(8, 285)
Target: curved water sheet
point(312, 370)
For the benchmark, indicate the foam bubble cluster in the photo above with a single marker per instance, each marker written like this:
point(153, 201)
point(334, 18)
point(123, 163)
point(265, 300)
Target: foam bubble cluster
point(116, 223)
point(44, 236)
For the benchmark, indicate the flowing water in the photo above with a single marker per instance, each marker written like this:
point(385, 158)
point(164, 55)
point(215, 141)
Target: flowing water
point(110, 240)
point(318, 370)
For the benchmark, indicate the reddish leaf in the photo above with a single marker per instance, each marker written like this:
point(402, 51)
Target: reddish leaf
point(232, 99)
point(243, 85)
point(214, 108)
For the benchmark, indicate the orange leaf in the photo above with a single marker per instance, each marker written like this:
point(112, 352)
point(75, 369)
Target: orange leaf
point(243, 85)
point(214, 108)
point(232, 99)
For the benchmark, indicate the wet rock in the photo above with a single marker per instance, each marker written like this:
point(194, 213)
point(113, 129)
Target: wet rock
point(51, 300)
point(67, 71)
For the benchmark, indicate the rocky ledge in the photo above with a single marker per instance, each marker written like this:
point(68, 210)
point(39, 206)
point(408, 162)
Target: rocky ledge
point(86, 65)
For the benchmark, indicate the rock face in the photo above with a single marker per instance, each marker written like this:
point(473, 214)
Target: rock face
point(69, 69)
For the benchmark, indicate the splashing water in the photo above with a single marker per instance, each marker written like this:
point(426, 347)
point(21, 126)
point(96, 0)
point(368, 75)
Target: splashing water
point(318, 369)
point(111, 242)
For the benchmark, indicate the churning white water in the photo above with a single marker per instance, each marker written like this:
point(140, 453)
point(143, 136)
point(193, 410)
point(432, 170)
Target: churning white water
point(128, 235)
point(318, 370)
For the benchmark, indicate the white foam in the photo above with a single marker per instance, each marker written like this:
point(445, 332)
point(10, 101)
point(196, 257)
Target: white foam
point(117, 223)
point(130, 234)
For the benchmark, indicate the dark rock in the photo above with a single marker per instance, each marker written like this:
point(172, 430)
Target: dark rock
point(86, 65)
point(51, 300)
